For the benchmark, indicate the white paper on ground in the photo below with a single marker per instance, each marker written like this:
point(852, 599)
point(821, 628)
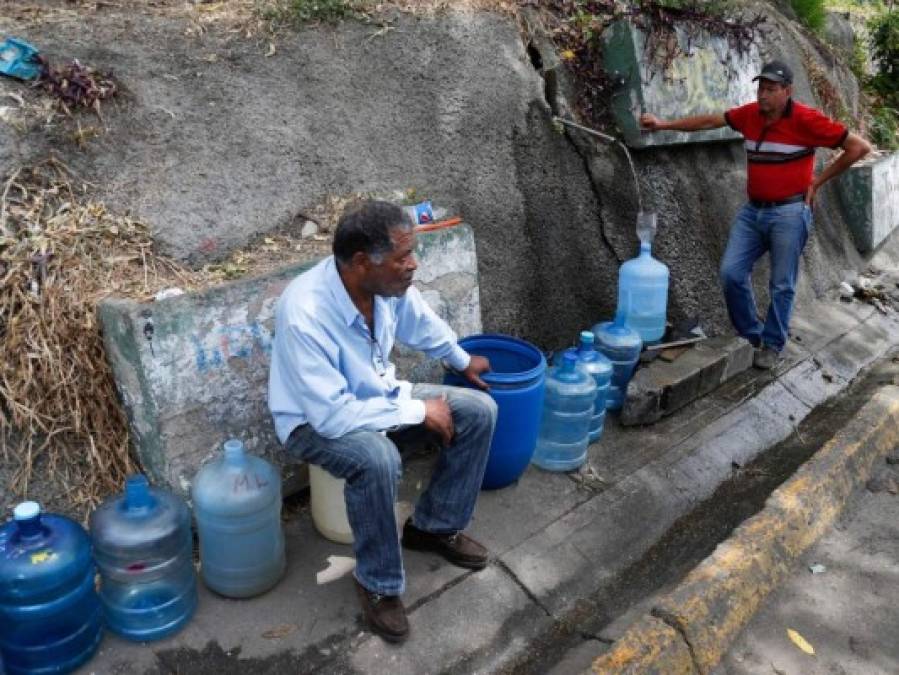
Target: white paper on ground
point(338, 566)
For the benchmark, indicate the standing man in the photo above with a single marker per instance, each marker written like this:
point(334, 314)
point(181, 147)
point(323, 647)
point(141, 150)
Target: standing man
point(337, 403)
point(781, 136)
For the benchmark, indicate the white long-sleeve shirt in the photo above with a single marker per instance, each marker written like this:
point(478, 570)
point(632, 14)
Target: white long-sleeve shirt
point(326, 369)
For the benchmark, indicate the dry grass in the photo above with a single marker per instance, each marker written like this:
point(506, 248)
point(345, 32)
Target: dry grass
point(61, 253)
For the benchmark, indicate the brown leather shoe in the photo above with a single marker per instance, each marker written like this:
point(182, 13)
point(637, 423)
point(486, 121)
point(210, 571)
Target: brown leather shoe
point(458, 548)
point(385, 614)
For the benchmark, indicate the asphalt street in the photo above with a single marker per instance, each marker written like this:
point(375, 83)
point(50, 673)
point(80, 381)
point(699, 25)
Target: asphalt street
point(842, 600)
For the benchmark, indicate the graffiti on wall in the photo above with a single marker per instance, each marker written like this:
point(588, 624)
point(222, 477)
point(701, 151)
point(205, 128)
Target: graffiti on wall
point(213, 349)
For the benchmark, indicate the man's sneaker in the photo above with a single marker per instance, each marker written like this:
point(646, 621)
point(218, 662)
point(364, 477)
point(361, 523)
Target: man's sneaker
point(385, 614)
point(458, 548)
point(765, 358)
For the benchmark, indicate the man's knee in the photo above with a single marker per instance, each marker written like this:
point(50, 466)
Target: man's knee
point(730, 276)
point(475, 408)
point(380, 458)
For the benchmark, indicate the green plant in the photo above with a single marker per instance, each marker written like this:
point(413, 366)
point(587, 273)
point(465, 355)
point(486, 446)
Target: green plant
point(884, 36)
point(811, 12)
point(858, 59)
point(884, 127)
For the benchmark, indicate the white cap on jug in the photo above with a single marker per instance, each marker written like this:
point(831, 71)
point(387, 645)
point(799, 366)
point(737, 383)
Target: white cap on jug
point(26, 511)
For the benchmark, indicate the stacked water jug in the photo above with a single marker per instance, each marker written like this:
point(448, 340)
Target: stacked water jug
point(144, 552)
point(587, 381)
point(51, 616)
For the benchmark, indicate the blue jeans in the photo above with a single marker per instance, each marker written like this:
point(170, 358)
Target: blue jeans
point(371, 465)
point(782, 231)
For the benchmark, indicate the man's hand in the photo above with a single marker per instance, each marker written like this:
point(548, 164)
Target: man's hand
point(649, 122)
point(854, 148)
point(439, 419)
point(478, 365)
point(810, 196)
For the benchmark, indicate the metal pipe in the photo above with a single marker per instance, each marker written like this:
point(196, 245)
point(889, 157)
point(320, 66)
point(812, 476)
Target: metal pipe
point(592, 132)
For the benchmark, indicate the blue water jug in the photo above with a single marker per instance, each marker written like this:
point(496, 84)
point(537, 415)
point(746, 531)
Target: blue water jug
point(144, 551)
point(621, 345)
point(50, 616)
point(600, 369)
point(516, 379)
point(237, 504)
point(567, 413)
point(643, 294)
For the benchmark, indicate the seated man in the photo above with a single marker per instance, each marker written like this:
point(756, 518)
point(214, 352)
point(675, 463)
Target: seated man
point(334, 396)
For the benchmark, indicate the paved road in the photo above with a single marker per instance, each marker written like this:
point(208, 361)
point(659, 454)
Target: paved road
point(848, 613)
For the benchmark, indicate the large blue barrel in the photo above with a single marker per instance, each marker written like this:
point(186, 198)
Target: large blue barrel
point(144, 551)
point(237, 504)
point(516, 379)
point(50, 616)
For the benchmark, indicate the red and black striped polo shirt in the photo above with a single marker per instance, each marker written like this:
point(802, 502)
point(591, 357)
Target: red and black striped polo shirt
point(781, 156)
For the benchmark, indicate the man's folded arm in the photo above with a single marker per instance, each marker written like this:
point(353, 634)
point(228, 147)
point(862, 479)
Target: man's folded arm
point(322, 394)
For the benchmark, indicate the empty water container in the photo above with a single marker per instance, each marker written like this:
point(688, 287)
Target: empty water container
point(643, 294)
point(50, 616)
point(600, 368)
point(621, 345)
point(237, 504)
point(567, 412)
point(144, 551)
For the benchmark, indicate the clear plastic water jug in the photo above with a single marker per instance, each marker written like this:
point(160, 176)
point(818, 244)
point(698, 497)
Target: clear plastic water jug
point(50, 616)
point(237, 505)
point(144, 551)
point(643, 294)
point(621, 345)
point(600, 369)
point(567, 413)
point(328, 505)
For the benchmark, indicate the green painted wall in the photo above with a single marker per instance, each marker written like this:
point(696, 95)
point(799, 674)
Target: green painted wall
point(711, 79)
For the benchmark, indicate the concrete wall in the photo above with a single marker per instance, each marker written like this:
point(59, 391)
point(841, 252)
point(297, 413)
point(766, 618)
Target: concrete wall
point(869, 192)
point(201, 376)
point(214, 143)
point(712, 78)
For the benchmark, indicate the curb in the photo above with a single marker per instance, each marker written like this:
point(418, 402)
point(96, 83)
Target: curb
point(718, 598)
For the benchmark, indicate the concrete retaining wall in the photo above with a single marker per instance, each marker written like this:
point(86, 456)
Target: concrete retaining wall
point(869, 193)
point(193, 370)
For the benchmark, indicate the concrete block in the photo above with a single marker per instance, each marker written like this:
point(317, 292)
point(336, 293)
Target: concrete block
point(870, 200)
point(739, 357)
point(709, 76)
point(661, 388)
point(193, 370)
point(643, 401)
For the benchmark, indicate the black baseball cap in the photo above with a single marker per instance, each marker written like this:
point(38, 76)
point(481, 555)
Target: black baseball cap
point(775, 71)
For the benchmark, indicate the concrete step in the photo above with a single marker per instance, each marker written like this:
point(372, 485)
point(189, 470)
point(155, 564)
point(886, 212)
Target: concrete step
point(660, 388)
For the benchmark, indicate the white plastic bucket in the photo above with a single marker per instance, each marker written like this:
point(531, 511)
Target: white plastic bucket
point(328, 506)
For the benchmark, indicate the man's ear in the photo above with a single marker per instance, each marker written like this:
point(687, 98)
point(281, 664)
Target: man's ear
point(360, 259)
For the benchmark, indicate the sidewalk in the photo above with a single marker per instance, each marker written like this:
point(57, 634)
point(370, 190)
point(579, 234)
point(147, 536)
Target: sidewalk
point(555, 538)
